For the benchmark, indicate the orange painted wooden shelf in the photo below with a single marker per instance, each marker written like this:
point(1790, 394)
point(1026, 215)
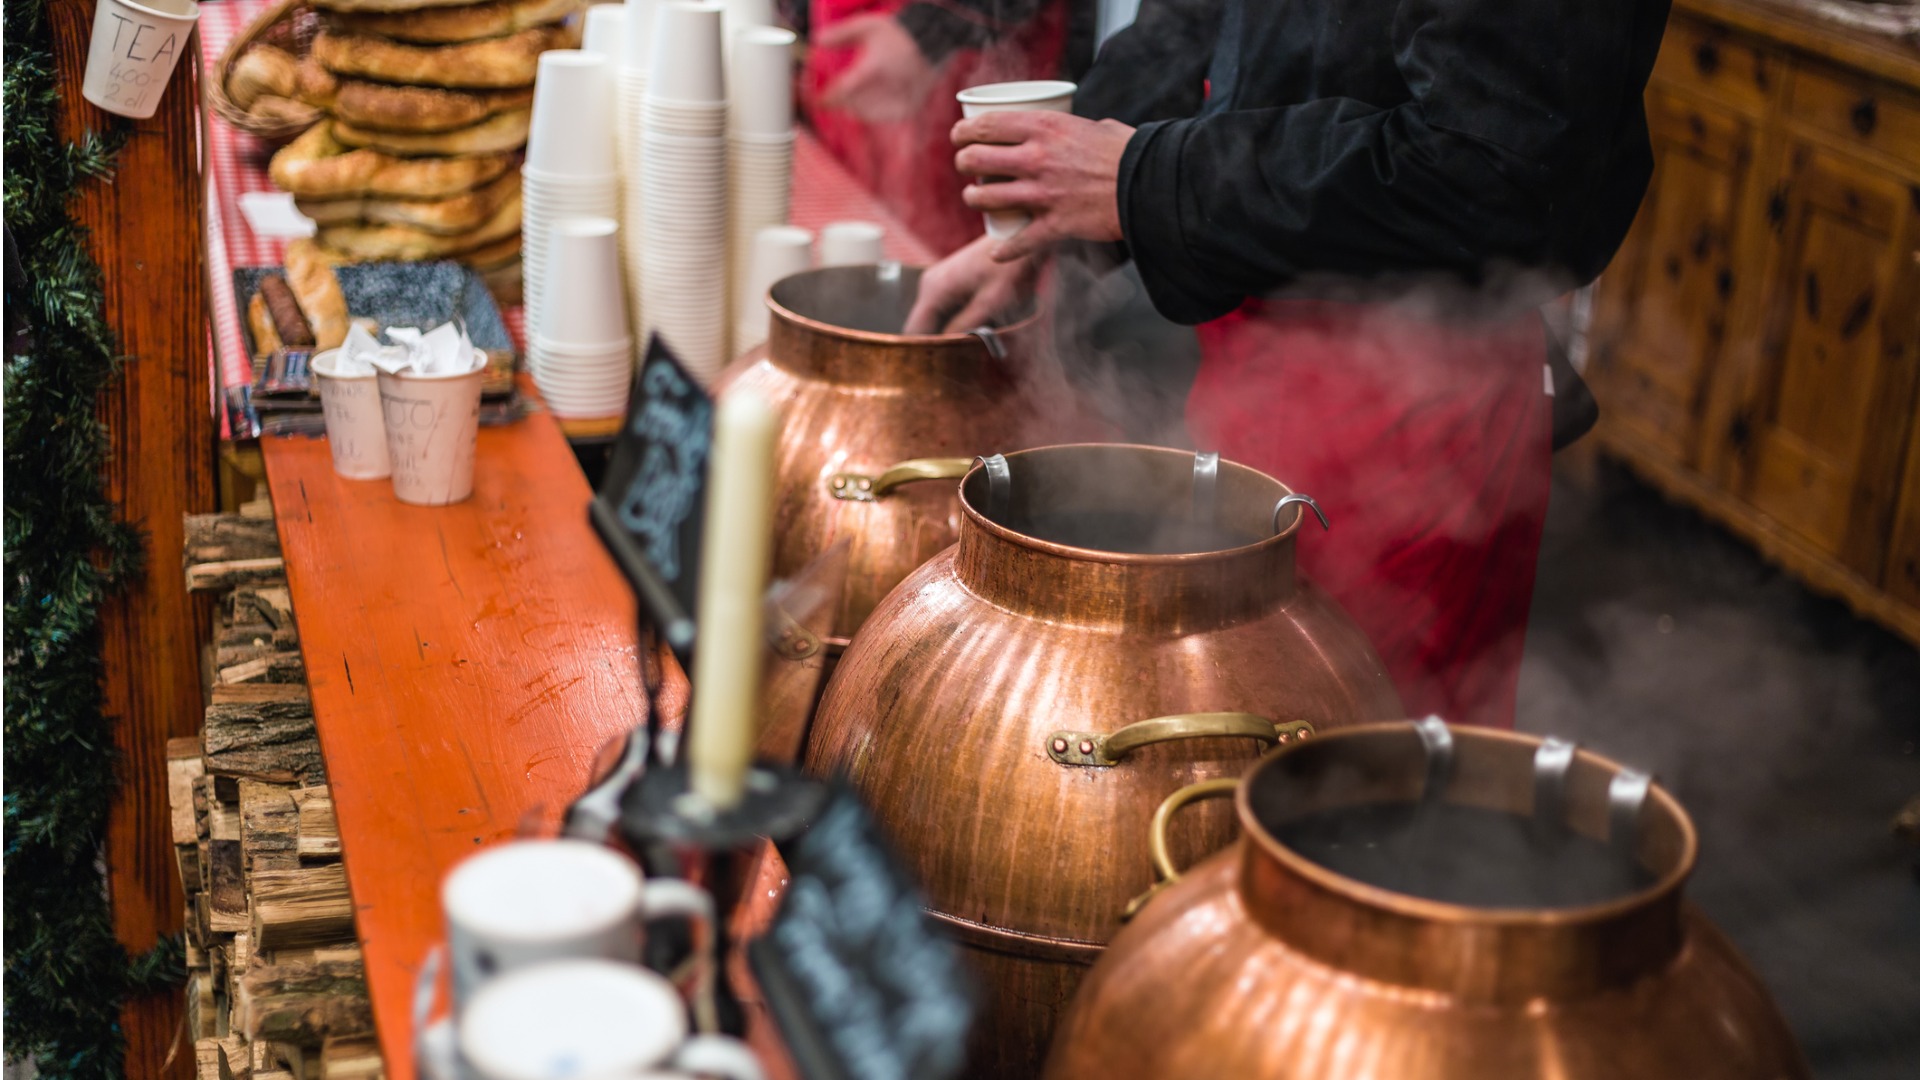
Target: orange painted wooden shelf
point(466, 663)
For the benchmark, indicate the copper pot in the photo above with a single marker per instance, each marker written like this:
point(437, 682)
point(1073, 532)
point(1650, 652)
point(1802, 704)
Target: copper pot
point(869, 412)
point(1018, 706)
point(1266, 963)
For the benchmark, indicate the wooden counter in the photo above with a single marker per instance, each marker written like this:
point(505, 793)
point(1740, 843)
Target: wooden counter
point(1755, 341)
point(466, 662)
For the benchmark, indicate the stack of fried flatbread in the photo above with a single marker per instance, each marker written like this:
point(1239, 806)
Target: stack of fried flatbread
point(427, 105)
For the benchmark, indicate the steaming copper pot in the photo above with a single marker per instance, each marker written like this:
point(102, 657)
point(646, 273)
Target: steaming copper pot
point(1264, 963)
point(1115, 622)
point(870, 414)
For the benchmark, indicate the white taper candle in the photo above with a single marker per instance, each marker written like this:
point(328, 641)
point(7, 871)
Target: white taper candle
point(736, 553)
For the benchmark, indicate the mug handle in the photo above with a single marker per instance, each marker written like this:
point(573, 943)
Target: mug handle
point(1157, 834)
point(718, 1055)
point(667, 898)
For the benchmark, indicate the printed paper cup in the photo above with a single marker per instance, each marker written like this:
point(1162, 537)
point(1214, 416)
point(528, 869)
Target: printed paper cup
point(356, 429)
point(433, 424)
point(133, 52)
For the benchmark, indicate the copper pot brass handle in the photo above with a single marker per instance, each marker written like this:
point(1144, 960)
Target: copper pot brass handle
point(1098, 749)
point(1157, 834)
point(859, 487)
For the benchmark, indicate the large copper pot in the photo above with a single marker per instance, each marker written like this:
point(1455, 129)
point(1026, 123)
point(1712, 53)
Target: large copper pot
point(1018, 706)
point(1263, 963)
point(868, 413)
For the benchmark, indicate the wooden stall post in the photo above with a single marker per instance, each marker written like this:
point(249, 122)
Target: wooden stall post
point(146, 229)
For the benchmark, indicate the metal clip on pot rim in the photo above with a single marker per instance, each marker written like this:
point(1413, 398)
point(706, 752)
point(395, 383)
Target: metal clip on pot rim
point(1298, 499)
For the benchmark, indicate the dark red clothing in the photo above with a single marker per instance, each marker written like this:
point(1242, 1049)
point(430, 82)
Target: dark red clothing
point(1427, 444)
point(909, 164)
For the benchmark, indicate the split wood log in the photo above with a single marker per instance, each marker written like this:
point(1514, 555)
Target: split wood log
point(269, 827)
point(319, 833)
point(206, 1049)
point(271, 604)
point(271, 667)
point(302, 1004)
point(202, 1009)
point(227, 887)
point(235, 1057)
point(183, 768)
point(262, 730)
point(225, 537)
point(301, 908)
point(352, 1058)
point(215, 576)
point(187, 858)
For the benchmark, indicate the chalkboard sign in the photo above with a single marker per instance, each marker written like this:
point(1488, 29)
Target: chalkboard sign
point(861, 983)
point(650, 506)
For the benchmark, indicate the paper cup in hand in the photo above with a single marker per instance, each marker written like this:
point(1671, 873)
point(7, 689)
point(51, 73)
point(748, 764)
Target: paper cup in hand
point(531, 902)
point(433, 425)
point(572, 116)
point(1037, 95)
point(851, 243)
point(590, 1020)
point(356, 432)
point(133, 51)
point(686, 64)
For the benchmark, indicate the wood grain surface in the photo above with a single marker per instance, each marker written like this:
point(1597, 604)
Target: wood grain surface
point(146, 229)
point(466, 663)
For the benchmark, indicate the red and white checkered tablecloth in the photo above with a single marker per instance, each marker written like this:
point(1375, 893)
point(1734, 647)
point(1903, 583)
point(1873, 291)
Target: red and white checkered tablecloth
point(823, 192)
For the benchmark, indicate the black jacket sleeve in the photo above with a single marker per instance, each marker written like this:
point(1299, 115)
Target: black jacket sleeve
point(943, 27)
point(1521, 111)
point(1155, 68)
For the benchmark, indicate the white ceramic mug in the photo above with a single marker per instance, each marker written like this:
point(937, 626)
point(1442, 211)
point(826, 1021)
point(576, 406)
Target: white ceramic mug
point(1033, 95)
point(573, 1019)
point(133, 52)
point(530, 902)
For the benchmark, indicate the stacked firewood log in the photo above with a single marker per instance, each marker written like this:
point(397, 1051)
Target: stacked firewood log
point(275, 986)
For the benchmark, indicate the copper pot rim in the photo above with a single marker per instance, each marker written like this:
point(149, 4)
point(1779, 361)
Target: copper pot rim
point(1439, 911)
point(874, 337)
point(1082, 554)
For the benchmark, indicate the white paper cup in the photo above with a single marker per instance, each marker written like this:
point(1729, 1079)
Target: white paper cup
point(585, 302)
point(851, 243)
point(641, 16)
point(356, 430)
point(686, 64)
point(1034, 95)
point(760, 81)
point(778, 252)
point(133, 52)
point(432, 422)
point(606, 33)
point(528, 902)
point(572, 116)
point(590, 1020)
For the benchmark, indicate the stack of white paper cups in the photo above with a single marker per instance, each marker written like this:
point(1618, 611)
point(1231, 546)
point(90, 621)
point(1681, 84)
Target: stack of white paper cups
point(606, 34)
point(683, 191)
point(630, 93)
point(583, 348)
point(569, 170)
point(759, 162)
point(778, 252)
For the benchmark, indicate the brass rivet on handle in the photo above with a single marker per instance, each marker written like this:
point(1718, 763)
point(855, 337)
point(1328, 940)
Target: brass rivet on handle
point(1059, 746)
point(1086, 746)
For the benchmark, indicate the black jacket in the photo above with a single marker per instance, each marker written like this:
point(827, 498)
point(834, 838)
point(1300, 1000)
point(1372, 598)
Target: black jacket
point(1323, 146)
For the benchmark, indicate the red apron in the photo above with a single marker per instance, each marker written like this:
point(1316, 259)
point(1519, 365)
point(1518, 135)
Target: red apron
point(909, 164)
point(1428, 445)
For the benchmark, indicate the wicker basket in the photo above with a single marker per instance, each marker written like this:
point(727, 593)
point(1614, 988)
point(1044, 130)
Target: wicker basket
point(288, 24)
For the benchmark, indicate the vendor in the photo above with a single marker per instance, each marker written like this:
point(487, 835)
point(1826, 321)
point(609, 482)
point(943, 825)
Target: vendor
point(879, 82)
point(1365, 203)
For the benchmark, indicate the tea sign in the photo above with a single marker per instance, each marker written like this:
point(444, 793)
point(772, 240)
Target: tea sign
point(651, 505)
point(860, 982)
point(133, 52)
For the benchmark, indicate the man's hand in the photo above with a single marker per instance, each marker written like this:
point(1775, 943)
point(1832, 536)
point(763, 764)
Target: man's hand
point(889, 80)
point(968, 288)
point(1063, 170)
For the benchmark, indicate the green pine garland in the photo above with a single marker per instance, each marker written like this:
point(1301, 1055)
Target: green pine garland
point(66, 975)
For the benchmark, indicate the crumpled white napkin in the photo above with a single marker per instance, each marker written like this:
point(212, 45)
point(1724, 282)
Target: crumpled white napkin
point(444, 350)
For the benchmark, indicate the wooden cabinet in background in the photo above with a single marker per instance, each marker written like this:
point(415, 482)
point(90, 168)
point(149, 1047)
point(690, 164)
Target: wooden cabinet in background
point(1756, 343)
